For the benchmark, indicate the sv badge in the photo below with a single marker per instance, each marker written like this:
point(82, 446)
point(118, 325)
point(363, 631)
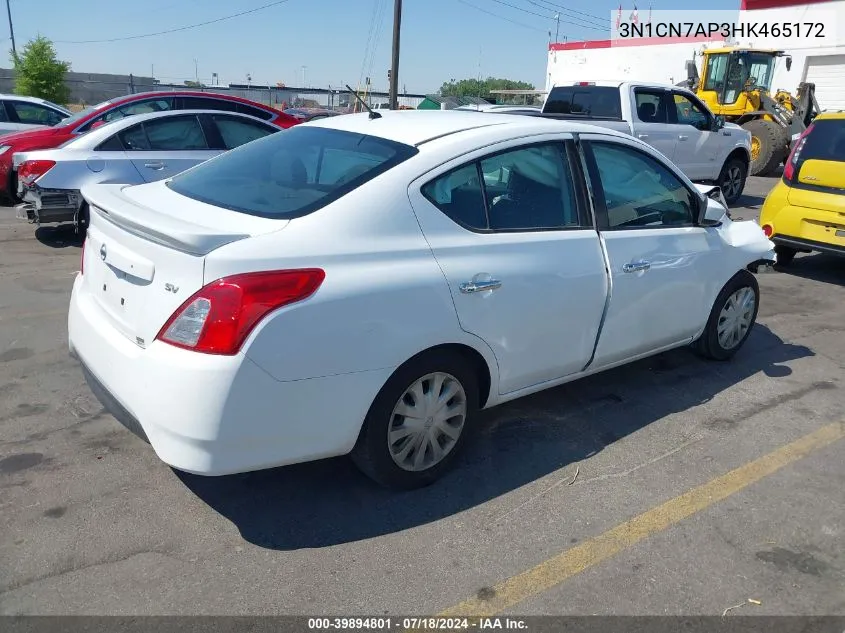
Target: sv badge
point(171, 288)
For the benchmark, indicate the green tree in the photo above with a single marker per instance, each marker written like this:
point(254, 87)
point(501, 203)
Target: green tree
point(476, 88)
point(39, 73)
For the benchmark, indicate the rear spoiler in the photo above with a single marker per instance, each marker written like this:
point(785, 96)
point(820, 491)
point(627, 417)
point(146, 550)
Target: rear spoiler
point(110, 203)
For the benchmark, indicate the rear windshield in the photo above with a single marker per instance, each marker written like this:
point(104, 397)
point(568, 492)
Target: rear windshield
point(292, 173)
point(593, 101)
point(826, 141)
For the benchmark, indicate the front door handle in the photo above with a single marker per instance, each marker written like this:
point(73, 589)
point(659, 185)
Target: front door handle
point(156, 166)
point(682, 137)
point(635, 267)
point(480, 286)
point(642, 136)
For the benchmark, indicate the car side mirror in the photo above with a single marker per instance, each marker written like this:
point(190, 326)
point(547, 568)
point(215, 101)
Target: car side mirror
point(97, 124)
point(718, 122)
point(714, 208)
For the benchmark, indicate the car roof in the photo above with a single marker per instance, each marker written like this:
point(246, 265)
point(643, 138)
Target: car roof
point(96, 136)
point(415, 127)
point(28, 99)
point(616, 83)
point(187, 93)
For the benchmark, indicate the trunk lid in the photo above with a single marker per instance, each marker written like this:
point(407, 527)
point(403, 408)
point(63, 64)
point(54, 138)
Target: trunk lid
point(145, 251)
point(821, 186)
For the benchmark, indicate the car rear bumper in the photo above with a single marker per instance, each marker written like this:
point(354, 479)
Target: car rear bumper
point(49, 205)
point(801, 244)
point(215, 415)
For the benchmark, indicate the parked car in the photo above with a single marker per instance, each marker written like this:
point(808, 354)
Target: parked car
point(134, 150)
point(311, 114)
point(805, 211)
point(130, 105)
point(669, 118)
point(19, 113)
point(367, 285)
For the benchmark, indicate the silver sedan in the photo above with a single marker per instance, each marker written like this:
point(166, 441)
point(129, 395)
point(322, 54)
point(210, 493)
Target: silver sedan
point(135, 150)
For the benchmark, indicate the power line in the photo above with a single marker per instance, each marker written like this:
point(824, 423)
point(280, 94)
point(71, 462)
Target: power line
point(588, 21)
point(176, 30)
point(558, 7)
point(501, 17)
point(547, 17)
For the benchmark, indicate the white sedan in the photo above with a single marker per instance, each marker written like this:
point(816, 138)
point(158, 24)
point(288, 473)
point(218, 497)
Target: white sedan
point(367, 283)
point(132, 150)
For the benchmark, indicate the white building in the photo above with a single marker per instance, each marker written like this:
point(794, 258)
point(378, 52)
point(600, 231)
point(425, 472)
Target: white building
point(819, 61)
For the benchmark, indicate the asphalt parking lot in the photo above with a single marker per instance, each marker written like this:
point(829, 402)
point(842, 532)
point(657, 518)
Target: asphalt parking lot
point(671, 486)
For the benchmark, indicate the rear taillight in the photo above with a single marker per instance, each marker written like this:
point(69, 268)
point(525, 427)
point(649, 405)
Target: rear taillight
point(218, 318)
point(585, 83)
point(791, 163)
point(31, 170)
point(767, 230)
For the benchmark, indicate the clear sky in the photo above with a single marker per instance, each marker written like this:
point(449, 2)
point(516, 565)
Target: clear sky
point(441, 39)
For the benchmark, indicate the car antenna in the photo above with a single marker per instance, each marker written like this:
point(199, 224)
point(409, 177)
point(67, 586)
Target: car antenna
point(373, 114)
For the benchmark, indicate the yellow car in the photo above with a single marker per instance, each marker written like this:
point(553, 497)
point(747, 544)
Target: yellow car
point(806, 209)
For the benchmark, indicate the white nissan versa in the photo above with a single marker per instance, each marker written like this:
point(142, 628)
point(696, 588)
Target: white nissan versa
point(367, 283)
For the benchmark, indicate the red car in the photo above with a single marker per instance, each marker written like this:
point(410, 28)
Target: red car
point(49, 137)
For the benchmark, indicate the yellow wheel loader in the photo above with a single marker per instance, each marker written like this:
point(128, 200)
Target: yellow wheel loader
point(736, 82)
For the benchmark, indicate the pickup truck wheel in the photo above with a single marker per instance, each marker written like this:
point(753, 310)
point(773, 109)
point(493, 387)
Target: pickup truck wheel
point(768, 145)
point(418, 421)
point(731, 319)
point(732, 179)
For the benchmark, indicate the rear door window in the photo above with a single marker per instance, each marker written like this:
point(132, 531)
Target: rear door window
point(594, 101)
point(236, 131)
point(291, 174)
point(524, 189)
point(651, 106)
point(177, 133)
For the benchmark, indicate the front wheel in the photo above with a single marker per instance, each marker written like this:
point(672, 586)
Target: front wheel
point(732, 179)
point(731, 319)
point(418, 421)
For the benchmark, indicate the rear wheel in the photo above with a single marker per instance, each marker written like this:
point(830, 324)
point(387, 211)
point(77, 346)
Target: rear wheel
point(731, 319)
point(732, 179)
point(768, 146)
point(418, 421)
point(785, 255)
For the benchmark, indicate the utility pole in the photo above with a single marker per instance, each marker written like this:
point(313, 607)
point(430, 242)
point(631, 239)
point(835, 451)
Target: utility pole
point(557, 28)
point(394, 66)
point(11, 31)
point(196, 72)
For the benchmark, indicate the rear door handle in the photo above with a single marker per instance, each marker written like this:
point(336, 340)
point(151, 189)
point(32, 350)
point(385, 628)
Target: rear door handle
point(479, 286)
point(156, 166)
point(635, 267)
point(682, 137)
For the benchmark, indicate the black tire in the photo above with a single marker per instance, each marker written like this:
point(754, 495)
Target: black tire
point(371, 453)
point(708, 344)
point(83, 218)
point(785, 255)
point(11, 192)
point(773, 146)
point(732, 179)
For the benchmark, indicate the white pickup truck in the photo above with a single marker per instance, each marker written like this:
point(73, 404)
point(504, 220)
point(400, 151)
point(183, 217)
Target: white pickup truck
point(670, 119)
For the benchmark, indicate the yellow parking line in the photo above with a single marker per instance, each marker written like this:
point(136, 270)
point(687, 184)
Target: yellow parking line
point(573, 561)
